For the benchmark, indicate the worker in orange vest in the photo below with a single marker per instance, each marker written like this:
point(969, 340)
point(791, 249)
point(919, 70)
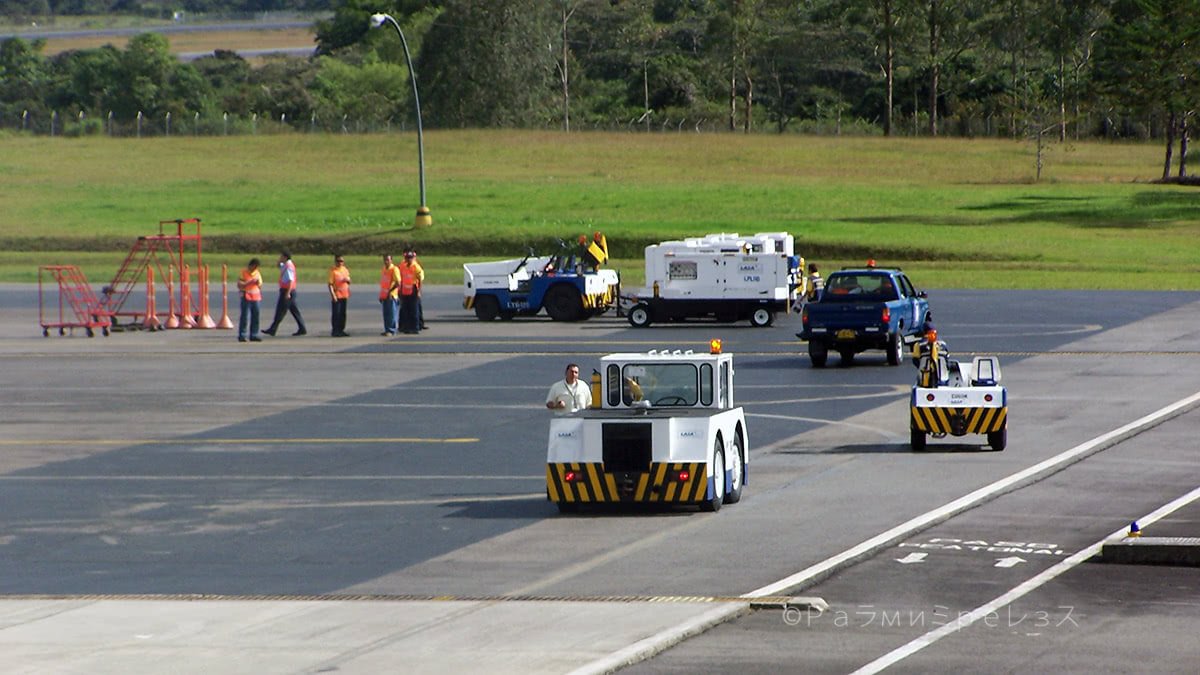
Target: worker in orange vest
point(411, 276)
point(389, 295)
point(339, 295)
point(250, 289)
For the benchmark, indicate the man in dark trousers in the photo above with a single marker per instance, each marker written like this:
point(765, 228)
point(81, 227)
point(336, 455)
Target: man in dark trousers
point(287, 295)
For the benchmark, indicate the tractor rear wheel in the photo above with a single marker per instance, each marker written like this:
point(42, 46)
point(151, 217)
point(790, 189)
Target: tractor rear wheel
point(487, 307)
point(918, 440)
point(563, 303)
point(998, 439)
point(718, 475)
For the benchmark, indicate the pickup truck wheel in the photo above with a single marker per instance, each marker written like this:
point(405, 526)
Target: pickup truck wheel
point(918, 440)
point(639, 315)
point(718, 475)
point(737, 475)
point(998, 439)
point(486, 307)
point(818, 353)
point(762, 317)
point(895, 351)
point(563, 303)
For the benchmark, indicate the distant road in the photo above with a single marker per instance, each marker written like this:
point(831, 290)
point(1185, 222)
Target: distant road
point(166, 28)
point(182, 28)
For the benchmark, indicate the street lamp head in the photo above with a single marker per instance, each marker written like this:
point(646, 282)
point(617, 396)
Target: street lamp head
point(377, 20)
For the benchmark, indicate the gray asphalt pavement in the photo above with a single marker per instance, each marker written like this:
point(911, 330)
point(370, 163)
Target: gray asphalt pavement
point(350, 503)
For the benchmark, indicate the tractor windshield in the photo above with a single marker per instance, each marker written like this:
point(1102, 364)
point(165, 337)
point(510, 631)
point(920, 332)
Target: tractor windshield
point(662, 384)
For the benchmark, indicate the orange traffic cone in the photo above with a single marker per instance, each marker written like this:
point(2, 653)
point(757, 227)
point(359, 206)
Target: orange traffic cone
point(225, 321)
point(151, 321)
point(204, 320)
point(186, 320)
point(172, 317)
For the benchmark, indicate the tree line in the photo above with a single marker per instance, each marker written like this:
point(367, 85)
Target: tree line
point(1040, 69)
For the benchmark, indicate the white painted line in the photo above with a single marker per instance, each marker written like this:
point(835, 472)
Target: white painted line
point(644, 649)
point(663, 639)
point(896, 655)
point(969, 500)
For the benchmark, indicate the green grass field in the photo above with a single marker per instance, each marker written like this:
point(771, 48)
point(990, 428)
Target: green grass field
point(955, 213)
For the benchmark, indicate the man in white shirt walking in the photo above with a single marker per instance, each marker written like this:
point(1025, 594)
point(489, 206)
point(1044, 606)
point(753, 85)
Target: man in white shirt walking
point(569, 394)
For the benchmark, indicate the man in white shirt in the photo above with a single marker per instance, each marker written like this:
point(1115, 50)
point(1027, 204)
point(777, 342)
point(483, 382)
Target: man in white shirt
point(569, 394)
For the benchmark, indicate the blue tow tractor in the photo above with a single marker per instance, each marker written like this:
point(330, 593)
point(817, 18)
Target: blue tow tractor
point(570, 286)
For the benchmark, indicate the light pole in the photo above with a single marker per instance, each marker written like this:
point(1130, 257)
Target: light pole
point(424, 217)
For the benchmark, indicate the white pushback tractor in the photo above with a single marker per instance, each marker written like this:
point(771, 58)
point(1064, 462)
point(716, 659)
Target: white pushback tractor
point(727, 276)
point(663, 429)
point(957, 398)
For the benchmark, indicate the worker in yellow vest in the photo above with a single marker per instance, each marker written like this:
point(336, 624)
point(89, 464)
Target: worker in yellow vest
point(339, 296)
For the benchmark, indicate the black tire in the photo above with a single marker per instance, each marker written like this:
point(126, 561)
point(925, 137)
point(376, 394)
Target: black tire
point(507, 315)
point(487, 307)
point(847, 357)
point(718, 473)
point(895, 349)
point(639, 315)
point(998, 439)
point(45, 332)
point(568, 507)
point(91, 333)
point(762, 317)
point(738, 477)
point(562, 303)
point(818, 353)
point(918, 440)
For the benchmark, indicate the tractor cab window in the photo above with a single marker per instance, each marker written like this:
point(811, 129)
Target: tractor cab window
point(613, 386)
point(662, 384)
point(706, 384)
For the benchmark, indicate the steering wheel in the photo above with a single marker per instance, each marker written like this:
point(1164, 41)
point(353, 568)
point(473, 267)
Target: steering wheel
point(671, 400)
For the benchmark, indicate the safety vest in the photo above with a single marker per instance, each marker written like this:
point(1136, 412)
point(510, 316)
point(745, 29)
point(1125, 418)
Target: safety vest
point(385, 282)
point(409, 278)
point(251, 284)
point(339, 278)
point(287, 275)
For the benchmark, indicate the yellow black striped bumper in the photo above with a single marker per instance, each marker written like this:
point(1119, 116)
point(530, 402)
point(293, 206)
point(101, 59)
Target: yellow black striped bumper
point(666, 482)
point(601, 300)
point(959, 421)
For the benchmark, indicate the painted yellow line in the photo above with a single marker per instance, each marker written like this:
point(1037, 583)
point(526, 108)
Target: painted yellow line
point(225, 441)
point(253, 506)
point(379, 597)
point(260, 477)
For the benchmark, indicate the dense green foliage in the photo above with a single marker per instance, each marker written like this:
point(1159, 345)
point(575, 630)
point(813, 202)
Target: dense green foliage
point(1016, 68)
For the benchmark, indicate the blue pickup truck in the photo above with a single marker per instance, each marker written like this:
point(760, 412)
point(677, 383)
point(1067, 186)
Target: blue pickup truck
point(861, 309)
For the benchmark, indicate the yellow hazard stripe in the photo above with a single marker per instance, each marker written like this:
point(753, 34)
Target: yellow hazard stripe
point(968, 420)
point(591, 484)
